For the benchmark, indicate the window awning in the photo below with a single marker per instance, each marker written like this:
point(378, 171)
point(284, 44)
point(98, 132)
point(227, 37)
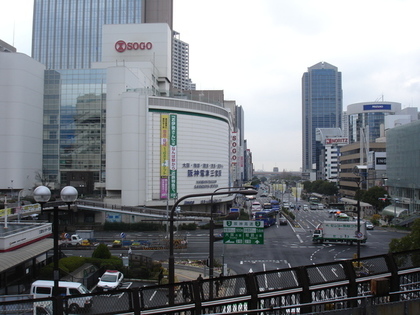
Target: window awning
point(23, 254)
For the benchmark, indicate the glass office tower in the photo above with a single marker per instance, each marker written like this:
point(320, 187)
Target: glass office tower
point(67, 39)
point(322, 107)
point(74, 127)
point(68, 34)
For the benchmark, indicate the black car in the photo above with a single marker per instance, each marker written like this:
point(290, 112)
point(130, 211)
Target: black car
point(282, 221)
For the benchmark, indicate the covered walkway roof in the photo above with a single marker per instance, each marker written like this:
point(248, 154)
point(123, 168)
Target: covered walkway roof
point(391, 211)
point(354, 202)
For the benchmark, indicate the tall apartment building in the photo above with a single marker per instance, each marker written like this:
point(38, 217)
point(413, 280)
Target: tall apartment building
point(322, 106)
point(67, 39)
point(180, 65)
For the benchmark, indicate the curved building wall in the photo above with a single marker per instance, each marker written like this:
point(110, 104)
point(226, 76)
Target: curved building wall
point(159, 148)
point(21, 103)
point(372, 114)
point(202, 154)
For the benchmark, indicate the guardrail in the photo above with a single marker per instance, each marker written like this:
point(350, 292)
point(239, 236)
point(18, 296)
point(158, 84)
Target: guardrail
point(349, 286)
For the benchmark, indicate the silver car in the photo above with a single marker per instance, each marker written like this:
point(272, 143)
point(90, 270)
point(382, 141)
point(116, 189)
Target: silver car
point(369, 225)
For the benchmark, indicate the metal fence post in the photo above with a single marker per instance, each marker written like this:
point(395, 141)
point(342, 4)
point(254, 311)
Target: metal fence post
point(395, 280)
point(305, 296)
point(252, 288)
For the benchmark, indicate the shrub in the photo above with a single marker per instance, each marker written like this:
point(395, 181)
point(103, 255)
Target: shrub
point(70, 264)
point(114, 263)
point(138, 226)
point(102, 252)
point(65, 265)
point(188, 227)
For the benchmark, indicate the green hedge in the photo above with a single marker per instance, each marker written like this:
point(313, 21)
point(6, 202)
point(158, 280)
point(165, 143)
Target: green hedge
point(138, 226)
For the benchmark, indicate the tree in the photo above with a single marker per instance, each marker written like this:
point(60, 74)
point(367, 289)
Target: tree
point(319, 186)
point(376, 197)
point(43, 179)
point(408, 242)
point(102, 252)
point(255, 181)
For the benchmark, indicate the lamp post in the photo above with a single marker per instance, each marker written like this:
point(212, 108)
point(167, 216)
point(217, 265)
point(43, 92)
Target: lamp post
point(171, 260)
point(395, 208)
point(211, 231)
point(42, 195)
point(361, 172)
point(358, 219)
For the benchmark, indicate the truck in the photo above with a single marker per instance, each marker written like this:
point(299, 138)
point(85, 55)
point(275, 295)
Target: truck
point(339, 231)
point(86, 234)
point(70, 240)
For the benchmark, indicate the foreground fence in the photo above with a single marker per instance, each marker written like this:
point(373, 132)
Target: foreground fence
point(344, 287)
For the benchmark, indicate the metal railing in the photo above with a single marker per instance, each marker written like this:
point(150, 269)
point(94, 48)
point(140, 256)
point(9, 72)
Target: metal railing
point(347, 286)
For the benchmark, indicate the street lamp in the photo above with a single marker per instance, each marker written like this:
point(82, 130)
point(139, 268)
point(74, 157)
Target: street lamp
point(211, 230)
point(42, 195)
point(171, 261)
point(395, 207)
point(361, 172)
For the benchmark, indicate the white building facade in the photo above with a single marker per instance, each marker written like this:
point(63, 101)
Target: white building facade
point(157, 148)
point(331, 140)
point(21, 103)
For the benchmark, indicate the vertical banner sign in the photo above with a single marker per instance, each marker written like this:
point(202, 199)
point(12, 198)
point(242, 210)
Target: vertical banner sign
point(172, 155)
point(234, 155)
point(164, 155)
point(234, 148)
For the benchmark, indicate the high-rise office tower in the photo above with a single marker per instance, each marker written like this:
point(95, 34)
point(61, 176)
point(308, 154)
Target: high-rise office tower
point(67, 39)
point(68, 34)
point(322, 107)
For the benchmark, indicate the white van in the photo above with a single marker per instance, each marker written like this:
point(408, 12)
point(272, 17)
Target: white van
point(44, 288)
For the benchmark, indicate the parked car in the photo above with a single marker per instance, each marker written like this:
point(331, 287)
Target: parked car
point(369, 225)
point(44, 289)
point(110, 280)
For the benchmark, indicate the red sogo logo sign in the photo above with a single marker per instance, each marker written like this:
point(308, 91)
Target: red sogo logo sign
point(122, 46)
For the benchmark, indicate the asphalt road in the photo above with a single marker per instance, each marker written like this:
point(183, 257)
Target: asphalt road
point(284, 246)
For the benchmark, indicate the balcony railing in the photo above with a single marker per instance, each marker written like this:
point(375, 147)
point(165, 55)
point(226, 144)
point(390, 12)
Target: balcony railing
point(347, 285)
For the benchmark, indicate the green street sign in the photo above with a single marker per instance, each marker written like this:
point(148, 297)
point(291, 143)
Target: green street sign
point(243, 232)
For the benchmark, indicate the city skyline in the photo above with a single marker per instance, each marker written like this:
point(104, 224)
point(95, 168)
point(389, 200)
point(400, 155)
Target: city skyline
point(258, 58)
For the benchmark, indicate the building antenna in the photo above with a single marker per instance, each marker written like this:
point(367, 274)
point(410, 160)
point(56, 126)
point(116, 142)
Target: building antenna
point(14, 28)
point(380, 98)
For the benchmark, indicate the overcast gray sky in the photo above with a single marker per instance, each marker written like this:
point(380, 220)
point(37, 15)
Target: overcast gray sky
point(257, 52)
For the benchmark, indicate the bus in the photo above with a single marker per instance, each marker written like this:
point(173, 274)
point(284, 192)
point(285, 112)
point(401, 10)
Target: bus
point(275, 205)
point(269, 217)
point(267, 206)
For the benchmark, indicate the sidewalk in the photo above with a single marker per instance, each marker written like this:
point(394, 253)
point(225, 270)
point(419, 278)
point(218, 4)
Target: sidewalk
point(188, 273)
